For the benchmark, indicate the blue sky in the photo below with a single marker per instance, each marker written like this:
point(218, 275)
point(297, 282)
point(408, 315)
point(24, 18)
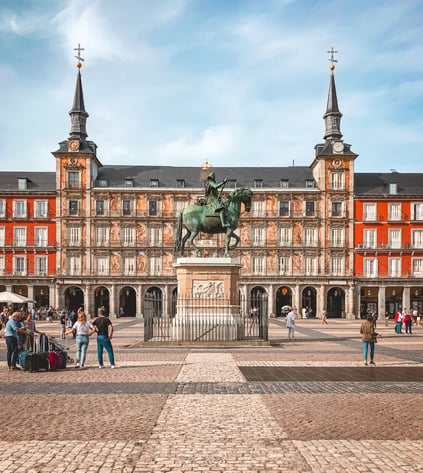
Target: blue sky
point(234, 82)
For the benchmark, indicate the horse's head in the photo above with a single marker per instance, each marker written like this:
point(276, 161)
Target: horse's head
point(244, 195)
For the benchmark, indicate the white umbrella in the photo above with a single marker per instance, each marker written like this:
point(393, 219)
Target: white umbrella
point(13, 298)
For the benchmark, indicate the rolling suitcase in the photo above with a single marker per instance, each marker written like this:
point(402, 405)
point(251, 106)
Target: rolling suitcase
point(63, 357)
point(54, 360)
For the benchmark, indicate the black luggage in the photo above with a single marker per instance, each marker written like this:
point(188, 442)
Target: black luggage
point(63, 357)
point(36, 362)
point(44, 343)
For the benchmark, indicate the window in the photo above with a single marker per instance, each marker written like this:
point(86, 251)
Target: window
point(41, 209)
point(258, 208)
point(284, 265)
point(370, 267)
point(284, 209)
point(129, 183)
point(40, 236)
point(19, 208)
point(370, 238)
point(231, 184)
point(394, 211)
point(393, 188)
point(284, 183)
point(310, 265)
point(259, 265)
point(394, 238)
point(259, 236)
point(337, 237)
point(417, 266)
point(337, 266)
point(101, 265)
point(128, 236)
point(2, 208)
point(394, 267)
point(73, 265)
point(102, 183)
point(310, 209)
point(22, 183)
point(285, 236)
point(19, 236)
point(155, 236)
point(152, 207)
point(2, 236)
point(258, 183)
point(309, 183)
point(74, 236)
point(180, 205)
point(126, 207)
point(19, 265)
point(128, 265)
point(101, 236)
point(155, 265)
point(99, 207)
point(154, 183)
point(74, 207)
point(417, 211)
point(310, 236)
point(369, 212)
point(180, 183)
point(41, 265)
point(417, 238)
point(336, 209)
point(2, 265)
point(337, 181)
point(73, 180)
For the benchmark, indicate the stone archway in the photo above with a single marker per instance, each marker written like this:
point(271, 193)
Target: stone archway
point(127, 302)
point(101, 299)
point(283, 299)
point(335, 303)
point(74, 298)
point(155, 295)
point(308, 300)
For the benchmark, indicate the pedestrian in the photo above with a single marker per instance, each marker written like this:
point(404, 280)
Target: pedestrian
point(73, 319)
point(13, 329)
point(290, 325)
point(324, 316)
point(375, 317)
point(369, 335)
point(31, 330)
point(83, 330)
point(398, 323)
point(63, 321)
point(104, 328)
point(408, 321)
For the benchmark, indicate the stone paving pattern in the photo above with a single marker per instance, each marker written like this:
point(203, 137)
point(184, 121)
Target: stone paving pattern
point(191, 409)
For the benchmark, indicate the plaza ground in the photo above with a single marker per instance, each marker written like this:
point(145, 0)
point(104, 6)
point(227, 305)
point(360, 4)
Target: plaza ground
point(306, 406)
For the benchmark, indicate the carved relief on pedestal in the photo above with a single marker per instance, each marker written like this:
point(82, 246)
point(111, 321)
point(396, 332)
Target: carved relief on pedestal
point(205, 289)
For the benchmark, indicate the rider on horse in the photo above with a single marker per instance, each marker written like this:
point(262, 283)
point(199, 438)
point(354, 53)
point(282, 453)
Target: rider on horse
point(213, 198)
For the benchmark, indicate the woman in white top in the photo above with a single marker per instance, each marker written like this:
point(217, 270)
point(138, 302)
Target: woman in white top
point(83, 330)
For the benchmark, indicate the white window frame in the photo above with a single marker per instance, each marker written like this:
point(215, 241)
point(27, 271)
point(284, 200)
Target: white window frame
point(41, 209)
point(259, 265)
point(310, 236)
point(155, 236)
point(2, 265)
point(129, 265)
point(73, 265)
point(74, 236)
point(310, 265)
point(337, 180)
point(370, 238)
point(101, 265)
point(289, 208)
point(101, 236)
point(416, 211)
point(337, 237)
point(369, 211)
point(417, 238)
point(19, 265)
point(128, 236)
point(337, 266)
point(155, 265)
point(394, 211)
point(179, 205)
point(41, 265)
point(2, 236)
point(20, 236)
point(417, 266)
point(2, 208)
point(19, 208)
point(370, 267)
point(285, 265)
point(394, 238)
point(285, 236)
point(259, 236)
point(394, 267)
point(41, 237)
point(258, 208)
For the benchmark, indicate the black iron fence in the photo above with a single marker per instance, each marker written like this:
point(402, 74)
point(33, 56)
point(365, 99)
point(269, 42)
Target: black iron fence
point(207, 319)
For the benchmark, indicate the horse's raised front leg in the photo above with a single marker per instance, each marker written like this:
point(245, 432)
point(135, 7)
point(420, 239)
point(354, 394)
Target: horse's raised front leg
point(237, 240)
point(229, 235)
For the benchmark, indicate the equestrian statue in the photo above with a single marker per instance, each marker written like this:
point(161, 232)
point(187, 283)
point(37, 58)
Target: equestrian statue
point(213, 215)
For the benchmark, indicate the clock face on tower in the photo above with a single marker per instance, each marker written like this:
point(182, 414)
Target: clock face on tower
point(73, 145)
point(338, 147)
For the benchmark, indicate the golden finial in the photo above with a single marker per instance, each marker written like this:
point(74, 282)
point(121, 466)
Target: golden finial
point(79, 57)
point(332, 59)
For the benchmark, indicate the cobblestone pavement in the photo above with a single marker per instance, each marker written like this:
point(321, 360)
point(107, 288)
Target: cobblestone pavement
point(190, 409)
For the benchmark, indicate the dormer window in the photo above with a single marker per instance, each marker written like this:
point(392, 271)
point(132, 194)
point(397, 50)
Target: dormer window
point(154, 183)
point(309, 183)
point(129, 182)
point(231, 184)
point(180, 183)
point(393, 188)
point(258, 183)
point(284, 183)
point(102, 183)
point(22, 183)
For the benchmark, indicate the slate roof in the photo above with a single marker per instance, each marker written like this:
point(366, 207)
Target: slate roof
point(168, 175)
point(38, 181)
point(377, 184)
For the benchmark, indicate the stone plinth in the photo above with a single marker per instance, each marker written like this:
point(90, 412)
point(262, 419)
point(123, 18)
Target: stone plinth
point(208, 302)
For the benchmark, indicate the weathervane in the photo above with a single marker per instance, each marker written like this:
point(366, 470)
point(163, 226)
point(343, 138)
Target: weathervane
point(79, 57)
point(332, 59)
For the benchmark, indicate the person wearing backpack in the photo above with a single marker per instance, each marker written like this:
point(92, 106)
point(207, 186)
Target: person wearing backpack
point(104, 328)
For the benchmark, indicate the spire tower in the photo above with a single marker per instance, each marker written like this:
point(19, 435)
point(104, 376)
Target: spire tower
point(332, 116)
point(78, 113)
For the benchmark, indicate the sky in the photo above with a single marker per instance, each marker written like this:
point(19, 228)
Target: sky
point(231, 82)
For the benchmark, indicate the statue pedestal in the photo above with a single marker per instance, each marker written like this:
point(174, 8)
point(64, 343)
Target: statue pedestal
point(208, 301)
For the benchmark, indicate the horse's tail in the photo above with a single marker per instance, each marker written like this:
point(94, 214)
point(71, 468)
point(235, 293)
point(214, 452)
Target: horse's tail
point(178, 237)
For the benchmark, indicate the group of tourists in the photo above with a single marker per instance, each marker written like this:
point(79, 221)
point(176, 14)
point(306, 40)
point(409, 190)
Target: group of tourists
point(20, 329)
point(405, 320)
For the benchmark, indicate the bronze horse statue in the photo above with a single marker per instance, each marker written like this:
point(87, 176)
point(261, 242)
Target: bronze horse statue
point(203, 218)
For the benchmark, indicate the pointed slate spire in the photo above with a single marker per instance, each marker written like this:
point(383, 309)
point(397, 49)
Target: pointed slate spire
point(78, 114)
point(333, 115)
